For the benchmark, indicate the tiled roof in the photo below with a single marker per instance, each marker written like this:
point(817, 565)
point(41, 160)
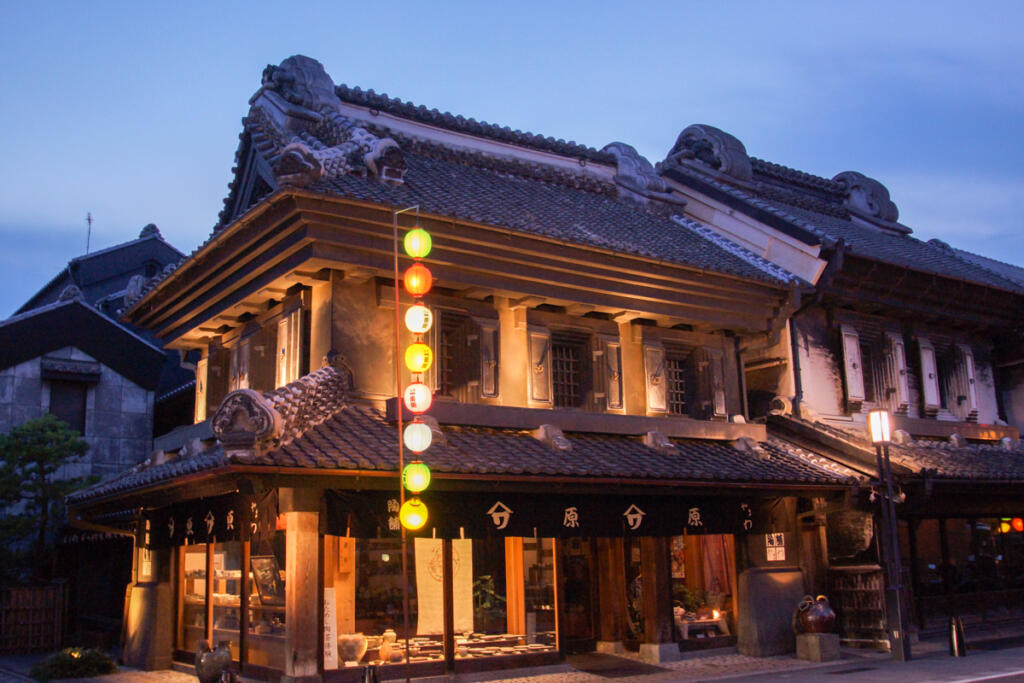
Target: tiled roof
point(408, 110)
point(358, 437)
point(544, 207)
point(938, 459)
point(818, 205)
point(146, 474)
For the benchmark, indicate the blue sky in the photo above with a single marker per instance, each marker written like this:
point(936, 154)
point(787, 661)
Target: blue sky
point(131, 111)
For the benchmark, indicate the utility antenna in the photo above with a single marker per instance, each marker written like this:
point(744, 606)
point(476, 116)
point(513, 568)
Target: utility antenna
point(88, 233)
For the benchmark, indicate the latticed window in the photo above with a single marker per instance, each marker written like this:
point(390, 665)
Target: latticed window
point(675, 375)
point(567, 371)
point(458, 356)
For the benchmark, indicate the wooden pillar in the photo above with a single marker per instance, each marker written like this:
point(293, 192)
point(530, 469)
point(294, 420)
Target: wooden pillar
point(208, 634)
point(448, 589)
point(658, 645)
point(515, 586)
point(302, 585)
point(611, 586)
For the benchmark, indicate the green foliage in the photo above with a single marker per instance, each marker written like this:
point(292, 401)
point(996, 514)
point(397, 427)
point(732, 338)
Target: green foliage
point(73, 662)
point(32, 494)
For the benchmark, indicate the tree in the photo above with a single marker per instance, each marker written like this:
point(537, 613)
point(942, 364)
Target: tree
point(32, 492)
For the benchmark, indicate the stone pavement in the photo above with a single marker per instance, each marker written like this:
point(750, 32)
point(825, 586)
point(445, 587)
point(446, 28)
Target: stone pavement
point(931, 664)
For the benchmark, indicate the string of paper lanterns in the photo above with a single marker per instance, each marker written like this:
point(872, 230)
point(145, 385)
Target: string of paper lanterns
point(417, 396)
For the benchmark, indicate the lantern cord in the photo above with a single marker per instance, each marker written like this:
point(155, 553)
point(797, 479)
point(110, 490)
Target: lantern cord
point(401, 453)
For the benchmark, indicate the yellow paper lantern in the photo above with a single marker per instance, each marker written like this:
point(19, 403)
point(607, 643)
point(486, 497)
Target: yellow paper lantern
point(419, 319)
point(413, 515)
point(417, 243)
point(419, 357)
point(417, 398)
point(416, 476)
point(417, 437)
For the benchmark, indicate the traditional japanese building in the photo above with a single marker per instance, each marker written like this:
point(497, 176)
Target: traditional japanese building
point(925, 331)
point(596, 483)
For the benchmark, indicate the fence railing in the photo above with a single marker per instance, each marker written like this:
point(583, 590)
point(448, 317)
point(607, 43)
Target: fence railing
point(32, 618)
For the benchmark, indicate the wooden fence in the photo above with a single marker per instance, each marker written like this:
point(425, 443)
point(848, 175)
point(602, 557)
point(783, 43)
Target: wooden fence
point(32, 619)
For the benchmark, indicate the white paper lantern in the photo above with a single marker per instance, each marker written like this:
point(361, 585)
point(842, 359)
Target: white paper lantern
point(417, 437)
point(419, 319)
point(417, 397)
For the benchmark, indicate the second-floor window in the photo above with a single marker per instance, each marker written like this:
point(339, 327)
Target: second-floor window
point(676, 370)
point(570, 370)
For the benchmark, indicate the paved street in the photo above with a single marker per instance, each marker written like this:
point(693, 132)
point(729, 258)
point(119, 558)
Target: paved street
point(931, 665)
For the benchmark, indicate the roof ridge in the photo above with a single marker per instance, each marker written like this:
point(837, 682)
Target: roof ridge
point(381, 102)
point(795, 175)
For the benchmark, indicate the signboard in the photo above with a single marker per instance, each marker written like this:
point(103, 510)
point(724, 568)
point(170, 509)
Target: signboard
point(330, 629)
point(374, 514)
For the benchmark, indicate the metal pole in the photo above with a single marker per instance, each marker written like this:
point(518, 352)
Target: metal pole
point(401, 450)
point(895, 598)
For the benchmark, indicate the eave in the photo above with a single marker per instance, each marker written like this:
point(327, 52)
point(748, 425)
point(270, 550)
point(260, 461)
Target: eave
point(292, 237)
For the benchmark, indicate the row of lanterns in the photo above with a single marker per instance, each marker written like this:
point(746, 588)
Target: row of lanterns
point(417, 395)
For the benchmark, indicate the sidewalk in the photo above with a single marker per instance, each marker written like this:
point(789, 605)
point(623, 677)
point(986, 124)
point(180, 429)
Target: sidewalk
point(932, 663)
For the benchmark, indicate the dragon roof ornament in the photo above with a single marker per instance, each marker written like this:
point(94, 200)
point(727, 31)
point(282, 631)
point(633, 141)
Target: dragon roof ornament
point(711, 147)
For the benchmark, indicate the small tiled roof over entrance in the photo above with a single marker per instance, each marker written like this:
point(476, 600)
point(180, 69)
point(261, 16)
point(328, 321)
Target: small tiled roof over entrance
point(356, 436)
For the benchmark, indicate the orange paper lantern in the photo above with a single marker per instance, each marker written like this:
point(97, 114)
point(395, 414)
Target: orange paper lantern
point(1017, 523)
point(418, 279)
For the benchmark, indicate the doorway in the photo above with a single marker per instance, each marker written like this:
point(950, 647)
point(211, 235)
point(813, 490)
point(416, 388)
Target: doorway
point(577, 565)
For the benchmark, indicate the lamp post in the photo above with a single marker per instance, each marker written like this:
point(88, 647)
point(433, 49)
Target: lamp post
point(895, 597)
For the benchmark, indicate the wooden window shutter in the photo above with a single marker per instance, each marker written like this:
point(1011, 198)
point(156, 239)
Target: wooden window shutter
point(654, 372)
point(929, 377)
point(289, 348)
point(853, 369)
point(202, 367)
point(967, 391)
point(540, 364)
point(610, 361)
point(716, 377)
point(488, 358)
point(239, 366)
point(897, 370)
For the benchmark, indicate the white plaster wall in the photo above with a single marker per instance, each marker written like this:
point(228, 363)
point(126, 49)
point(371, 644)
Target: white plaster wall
point(820, 371)
point(985, 386)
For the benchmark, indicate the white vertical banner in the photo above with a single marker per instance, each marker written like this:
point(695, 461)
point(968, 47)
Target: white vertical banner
point(462, 585)
point(429, 559)
point(330, 628)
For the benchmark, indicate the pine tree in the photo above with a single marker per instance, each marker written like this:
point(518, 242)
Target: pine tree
point(32, 493)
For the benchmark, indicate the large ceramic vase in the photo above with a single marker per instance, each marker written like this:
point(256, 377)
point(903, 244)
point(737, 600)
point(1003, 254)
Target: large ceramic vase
point(814, 615)
point(352, 647)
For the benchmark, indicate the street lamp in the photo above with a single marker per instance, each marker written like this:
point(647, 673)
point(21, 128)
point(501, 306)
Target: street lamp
point(895, 598)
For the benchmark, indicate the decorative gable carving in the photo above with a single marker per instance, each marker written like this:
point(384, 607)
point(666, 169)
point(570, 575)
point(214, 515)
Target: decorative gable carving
point(245, 419)
point(636, 179)
point(868, 198)
point(713, 148)
point(302, 81)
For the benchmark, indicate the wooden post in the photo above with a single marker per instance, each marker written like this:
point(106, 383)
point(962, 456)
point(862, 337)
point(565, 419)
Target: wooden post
point(515, 600)
point(611, 582)
point(209, 595)
point(658, 645)
point(448, 582)
point(243, 610)
point(303, 617)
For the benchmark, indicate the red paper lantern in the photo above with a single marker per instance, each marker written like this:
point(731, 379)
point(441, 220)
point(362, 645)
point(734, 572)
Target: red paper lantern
point(418, 279)
point(1017, 523)
point(417, 398)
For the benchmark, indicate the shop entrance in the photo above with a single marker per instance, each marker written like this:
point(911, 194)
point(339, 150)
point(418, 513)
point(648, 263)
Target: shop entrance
point(703, 590)
point(577, 566)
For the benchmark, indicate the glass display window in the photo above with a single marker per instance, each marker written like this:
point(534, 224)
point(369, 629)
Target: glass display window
point(266, 596)
point(227, 595)
point(192, 613)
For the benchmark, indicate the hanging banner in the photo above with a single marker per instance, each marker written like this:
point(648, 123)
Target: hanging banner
point(374, 514)
point(232, 517)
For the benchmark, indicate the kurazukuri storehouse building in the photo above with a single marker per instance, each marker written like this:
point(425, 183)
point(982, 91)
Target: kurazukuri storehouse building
point(595, 484)
point(923, 330)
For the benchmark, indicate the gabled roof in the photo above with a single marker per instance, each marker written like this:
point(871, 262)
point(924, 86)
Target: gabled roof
point(105, 273)
point(74, 323)
point(302, 130)
point(850, 207)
